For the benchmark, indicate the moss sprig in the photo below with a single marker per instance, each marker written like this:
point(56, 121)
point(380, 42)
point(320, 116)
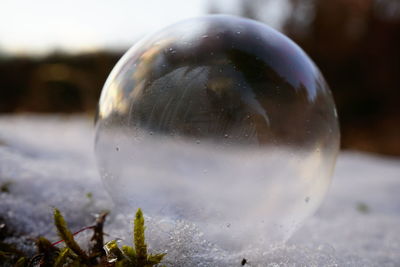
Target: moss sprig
point(136, 256)
point(66, 235)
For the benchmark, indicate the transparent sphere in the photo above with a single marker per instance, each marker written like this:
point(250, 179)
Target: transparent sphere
point(222, 122)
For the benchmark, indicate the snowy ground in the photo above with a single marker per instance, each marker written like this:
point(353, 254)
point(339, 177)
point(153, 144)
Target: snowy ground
point(48, 162)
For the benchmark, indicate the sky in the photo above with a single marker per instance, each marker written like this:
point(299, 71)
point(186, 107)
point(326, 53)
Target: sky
point(40, 26)
point(75, 25)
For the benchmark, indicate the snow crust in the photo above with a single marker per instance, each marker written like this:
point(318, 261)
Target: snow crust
point(48, 162)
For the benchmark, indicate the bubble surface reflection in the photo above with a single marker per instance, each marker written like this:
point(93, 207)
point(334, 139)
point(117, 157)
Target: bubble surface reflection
point(222, 122)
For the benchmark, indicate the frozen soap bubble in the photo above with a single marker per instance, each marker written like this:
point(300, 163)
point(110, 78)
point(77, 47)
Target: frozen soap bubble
point(220, 122)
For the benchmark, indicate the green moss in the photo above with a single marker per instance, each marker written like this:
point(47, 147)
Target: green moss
point(136, 256)
point(66, 235)
point(100, 254)
point(139, 241)
point(5, 187)
point(363, 208)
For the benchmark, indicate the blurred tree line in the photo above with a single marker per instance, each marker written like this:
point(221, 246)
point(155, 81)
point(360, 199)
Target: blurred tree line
point(55, 83)
point(355, 43)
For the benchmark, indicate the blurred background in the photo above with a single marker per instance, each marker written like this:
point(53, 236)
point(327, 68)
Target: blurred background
point(56, 55)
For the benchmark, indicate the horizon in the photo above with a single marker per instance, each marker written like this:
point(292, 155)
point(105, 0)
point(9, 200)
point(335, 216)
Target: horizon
point(76, 30)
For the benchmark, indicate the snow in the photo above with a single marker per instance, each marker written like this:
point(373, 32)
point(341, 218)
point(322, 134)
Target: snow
point(49, 162)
